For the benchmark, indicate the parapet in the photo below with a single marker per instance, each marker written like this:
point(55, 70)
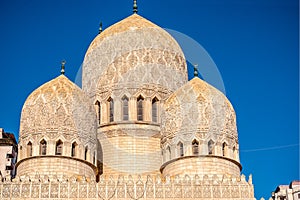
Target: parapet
point(129, 187)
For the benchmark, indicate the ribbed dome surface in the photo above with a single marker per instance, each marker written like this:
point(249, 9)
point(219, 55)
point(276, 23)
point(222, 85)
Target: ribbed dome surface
point(59, 107)
point(132, 53)
point(198, 110)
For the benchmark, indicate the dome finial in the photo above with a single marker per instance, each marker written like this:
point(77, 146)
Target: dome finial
point(195, 70)
point(62, 71)
point(135, 7)
point(100, 28)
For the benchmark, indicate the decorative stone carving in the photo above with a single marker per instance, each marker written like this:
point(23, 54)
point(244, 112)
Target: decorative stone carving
point(184, 187)
point(133, 49)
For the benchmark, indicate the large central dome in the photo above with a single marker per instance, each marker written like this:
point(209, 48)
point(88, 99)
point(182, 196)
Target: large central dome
point(128, 71)
point(132, 53)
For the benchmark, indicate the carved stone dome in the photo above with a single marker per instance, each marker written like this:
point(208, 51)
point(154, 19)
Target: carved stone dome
point(198, 120)
point(133, 53)
point(58, 120)
point(59, 105)
point(129, 69)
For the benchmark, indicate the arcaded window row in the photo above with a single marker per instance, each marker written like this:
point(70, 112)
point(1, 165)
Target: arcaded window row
point(195, 149)
point(126, 107)
point(59, 145)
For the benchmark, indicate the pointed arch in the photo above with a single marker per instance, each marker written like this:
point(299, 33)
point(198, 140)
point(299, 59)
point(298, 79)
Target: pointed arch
point(195, 147)
point(180, 149)
point(29, 149)
point(111, 109)
point(59, 148)
point(85, 153)
point(140, 108)
point(224, 149)
point(168, 153)
point(125, 113)
point(234, 153)
point(155, 102)
point(98, 111)
point(210, 146)
point(94, 158)
point(43, 147)
point(74, 149)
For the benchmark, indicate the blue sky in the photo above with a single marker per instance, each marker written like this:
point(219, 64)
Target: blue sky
point(254, 43)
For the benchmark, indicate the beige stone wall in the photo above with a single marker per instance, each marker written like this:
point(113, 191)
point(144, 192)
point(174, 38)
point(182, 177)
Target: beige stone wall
point(127, 188)
point(130, 148)
point(55, 166)
point(201, 165)
point(132, 58)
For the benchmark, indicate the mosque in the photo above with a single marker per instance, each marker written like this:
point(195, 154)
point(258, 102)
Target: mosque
point(137, 129)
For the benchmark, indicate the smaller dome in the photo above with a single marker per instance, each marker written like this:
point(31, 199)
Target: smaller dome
point(198, 109)
point(58, 118)
point(59, 105)
point(199, 121)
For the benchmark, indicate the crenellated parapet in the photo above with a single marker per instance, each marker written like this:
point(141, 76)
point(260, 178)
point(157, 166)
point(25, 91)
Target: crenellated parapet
point(129, 187)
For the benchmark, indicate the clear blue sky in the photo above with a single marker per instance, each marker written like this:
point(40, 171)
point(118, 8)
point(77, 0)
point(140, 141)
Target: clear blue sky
point(254, 43)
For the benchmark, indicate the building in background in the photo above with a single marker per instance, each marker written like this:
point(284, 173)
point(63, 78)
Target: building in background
point(287, 192)
point(8, 154)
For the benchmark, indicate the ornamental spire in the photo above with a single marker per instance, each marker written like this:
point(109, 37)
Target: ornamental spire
point(100, 28)
point(135, 7)
point(62, 71)
point(195, 70)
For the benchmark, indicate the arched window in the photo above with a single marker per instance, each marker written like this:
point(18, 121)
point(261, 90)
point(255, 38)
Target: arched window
point(210, 147)
point(29, 149)
point(125, 108)
point(59, 148)
point(224, 149)
point(98, 110)
point(155, 109)
point(74, 149)
point(94, 158)
point(195, 147)
point(140, 102)
point(111, 109)
point(43, 147)
point(168, 153)
point(180, 150)
point(85, 153)
point(234, 153)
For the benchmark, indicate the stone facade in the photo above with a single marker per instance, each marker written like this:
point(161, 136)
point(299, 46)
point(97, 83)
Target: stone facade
point(138, 129)
point(131, 187)
point(58, 131)
point(133, 60)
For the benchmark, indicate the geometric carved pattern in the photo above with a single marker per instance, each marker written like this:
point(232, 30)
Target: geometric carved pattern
point(136, 51)
point(198, 110)
point(58, 106)
point(122, 187)
point(57, 110)
point(138, 57)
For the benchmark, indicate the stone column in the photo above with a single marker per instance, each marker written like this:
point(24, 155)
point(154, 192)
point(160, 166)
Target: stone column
point(117, 110)
point(147, 109)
